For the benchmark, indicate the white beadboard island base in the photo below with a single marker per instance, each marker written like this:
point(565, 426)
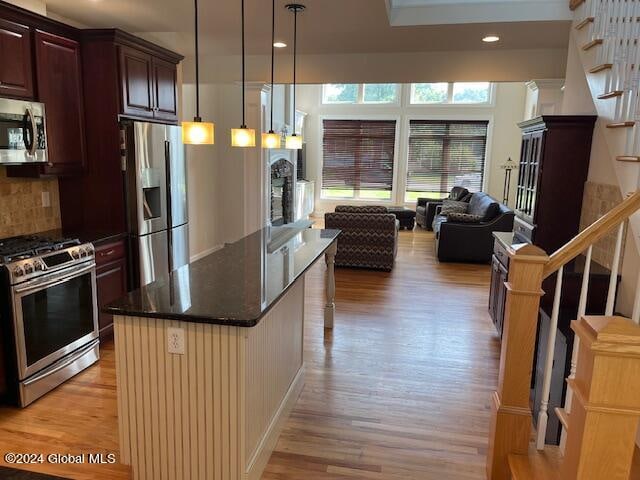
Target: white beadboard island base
point(216, 411)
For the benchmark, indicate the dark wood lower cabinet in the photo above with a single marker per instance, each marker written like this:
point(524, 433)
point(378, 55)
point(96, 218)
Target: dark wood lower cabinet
point(497, 288)
point(111, 279)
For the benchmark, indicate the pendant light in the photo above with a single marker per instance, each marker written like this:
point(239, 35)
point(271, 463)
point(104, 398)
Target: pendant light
point(197, 132)
point(294, 141)
point(243, 136)
point(272, 139)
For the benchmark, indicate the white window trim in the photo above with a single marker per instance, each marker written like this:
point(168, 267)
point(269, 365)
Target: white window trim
point(396, 158)
point(402, 179)
point(449, 103)
point(360, 98)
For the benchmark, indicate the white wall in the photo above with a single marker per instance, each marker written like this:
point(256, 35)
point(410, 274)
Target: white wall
point(503, 142)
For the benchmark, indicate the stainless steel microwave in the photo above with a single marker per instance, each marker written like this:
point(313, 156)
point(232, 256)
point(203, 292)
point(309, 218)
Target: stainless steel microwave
point(23, 134)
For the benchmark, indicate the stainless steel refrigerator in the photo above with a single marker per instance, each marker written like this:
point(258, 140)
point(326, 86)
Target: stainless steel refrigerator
point(156, 186)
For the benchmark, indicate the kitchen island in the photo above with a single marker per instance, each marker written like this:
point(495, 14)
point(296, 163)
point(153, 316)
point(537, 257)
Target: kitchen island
point(209, 360)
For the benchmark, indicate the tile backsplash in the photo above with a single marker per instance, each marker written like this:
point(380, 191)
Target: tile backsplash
point(21, 210)
point(597, 200)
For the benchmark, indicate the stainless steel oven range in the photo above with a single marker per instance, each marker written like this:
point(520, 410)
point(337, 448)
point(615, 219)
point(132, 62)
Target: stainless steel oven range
point(48, 314)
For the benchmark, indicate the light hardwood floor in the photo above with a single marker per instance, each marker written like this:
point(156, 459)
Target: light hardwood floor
point(399, 390)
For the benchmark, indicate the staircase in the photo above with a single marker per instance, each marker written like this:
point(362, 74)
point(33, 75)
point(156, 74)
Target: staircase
point(601, 410)
point(602, 407)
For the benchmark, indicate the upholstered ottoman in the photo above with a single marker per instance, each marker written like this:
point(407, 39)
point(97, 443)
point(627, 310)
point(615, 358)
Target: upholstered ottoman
point(405, 216)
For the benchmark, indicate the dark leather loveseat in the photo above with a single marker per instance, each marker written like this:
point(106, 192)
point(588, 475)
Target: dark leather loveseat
point(472, 242)
point(426, 207)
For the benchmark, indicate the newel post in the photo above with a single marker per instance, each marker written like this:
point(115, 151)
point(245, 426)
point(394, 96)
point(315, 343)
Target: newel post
point(511, 415)
point(605, 409)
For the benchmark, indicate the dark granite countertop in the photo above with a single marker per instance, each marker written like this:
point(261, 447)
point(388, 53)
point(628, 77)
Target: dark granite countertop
point(236, 285)
point(94, 236)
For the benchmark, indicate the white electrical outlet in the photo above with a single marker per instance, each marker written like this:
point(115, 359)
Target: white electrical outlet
point(175, 340)
point(46, 199)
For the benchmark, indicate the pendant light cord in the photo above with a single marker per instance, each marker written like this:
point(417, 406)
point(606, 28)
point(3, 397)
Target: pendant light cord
point(243, 72)
point(295, 50)
point(273, 53)
point(195, 3)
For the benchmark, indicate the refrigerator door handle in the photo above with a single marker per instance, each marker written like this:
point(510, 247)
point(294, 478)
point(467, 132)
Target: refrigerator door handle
point(167, 156)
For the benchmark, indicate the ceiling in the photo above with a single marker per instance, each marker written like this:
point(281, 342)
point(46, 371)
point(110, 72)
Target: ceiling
point(326, 27)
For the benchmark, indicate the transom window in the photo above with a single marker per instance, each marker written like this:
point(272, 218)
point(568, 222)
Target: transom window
point(460, 93)
point(363, 93)
point(358, 158)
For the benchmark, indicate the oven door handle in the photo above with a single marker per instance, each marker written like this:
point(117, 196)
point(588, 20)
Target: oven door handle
point(42, 284)
point(68, 361)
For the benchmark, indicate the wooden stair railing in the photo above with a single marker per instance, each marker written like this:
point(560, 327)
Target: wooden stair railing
point(528, 267)
point(593, 233)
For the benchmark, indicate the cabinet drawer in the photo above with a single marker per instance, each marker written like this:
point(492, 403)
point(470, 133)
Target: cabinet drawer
point(109, 252)
point(501, 254)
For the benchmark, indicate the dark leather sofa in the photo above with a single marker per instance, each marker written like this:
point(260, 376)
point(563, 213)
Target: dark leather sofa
point(426, 207)
point(472, 242)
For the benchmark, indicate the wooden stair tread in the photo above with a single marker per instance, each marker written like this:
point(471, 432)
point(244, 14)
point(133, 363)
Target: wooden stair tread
point(592, 43)
point(584, 23)
point(601, 67)
point(615, 93)
point(621, 124)
point(627, 158)
point(543, 465)
point(563, 416)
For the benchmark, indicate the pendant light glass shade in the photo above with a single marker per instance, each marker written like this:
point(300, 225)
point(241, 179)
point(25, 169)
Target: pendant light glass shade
point(293, 142)
point(271, 140)
point(243, 137)
point(197, 132)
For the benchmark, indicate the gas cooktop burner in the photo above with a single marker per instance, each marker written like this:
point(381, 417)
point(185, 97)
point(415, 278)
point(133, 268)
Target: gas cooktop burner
point(28, 246)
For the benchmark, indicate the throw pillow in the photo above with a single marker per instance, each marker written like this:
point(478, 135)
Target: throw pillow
point(464, 218)
point(453, 206)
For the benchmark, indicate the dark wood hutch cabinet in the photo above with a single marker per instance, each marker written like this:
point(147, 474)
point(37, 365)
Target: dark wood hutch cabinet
point(553, 167)
point(554, 163)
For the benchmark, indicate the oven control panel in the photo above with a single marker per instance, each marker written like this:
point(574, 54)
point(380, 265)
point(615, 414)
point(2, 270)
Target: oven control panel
point(28, 269)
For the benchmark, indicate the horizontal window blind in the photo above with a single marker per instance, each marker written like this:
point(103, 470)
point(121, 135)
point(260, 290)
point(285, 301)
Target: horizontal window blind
point(358, 154)
point(446, 153)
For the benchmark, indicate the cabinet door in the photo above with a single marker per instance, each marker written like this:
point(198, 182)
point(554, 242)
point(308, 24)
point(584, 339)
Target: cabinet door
point(136, 76)
point(501, 299)
point(16, 73)
point(111, 279)
point(58, 69)
point(165, 84)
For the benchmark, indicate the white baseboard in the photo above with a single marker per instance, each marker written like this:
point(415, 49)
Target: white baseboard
point(204, 253)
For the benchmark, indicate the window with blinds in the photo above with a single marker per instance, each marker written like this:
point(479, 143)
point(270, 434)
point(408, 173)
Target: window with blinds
point(358, 158)
point(444, 154)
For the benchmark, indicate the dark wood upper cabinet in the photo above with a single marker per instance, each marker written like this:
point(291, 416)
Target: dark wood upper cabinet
point(16, 74)
point(136, 71)
point(58, 71)
point(165, 90)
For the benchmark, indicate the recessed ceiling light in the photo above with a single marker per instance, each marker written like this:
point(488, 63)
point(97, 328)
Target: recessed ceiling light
point(279, 44)
point(491, 38)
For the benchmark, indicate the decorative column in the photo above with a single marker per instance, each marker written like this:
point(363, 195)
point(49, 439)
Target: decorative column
point(605, 409)
point(511, 415)
point(330, 307)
